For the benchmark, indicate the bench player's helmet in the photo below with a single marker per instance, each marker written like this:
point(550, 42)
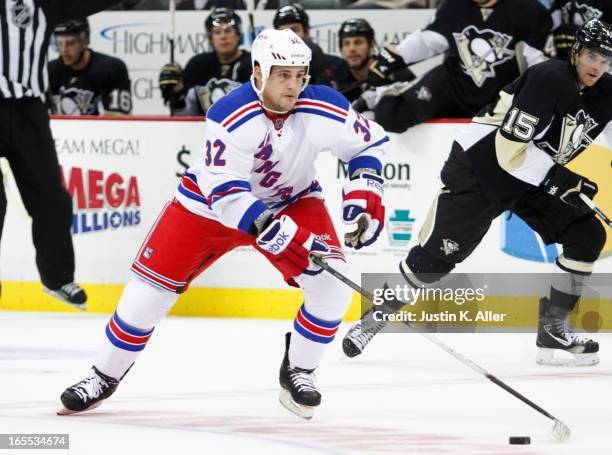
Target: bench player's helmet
point(223, 16)
point(291, 14)
point(278, 48)
point(355, 27)
point(78, 27)
point(595, 35)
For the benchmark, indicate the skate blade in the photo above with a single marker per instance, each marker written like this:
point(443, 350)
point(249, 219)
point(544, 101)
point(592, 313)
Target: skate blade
point(558, 357)
point(67, 412)
point(78, 306)
point(305, 412)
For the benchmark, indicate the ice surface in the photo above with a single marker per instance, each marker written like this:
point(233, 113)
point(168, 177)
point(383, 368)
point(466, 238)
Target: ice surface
point(210, 386)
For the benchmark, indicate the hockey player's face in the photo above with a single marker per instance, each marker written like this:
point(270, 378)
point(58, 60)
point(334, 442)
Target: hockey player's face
point(590, 66)
point(356, 51)
point(70, 48)
point(224, 39)
point(296, 28)
point(283, 87)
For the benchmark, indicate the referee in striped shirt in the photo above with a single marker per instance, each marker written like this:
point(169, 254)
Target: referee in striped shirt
point(25, 135)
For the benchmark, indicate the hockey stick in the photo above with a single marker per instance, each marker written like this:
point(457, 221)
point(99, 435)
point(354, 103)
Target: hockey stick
point(560, 431)
point(590, 204)
point(171, 38)
point(251, 29)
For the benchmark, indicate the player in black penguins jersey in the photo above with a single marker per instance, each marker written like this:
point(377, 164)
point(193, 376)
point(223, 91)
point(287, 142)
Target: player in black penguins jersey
point(569, 15)
point(356, 43)
point(512, 157)
point(85, 82)
point(487, 44)
point(209, 75)
point(294, 17)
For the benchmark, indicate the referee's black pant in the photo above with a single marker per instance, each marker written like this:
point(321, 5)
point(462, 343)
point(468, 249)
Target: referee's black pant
point(26, 142)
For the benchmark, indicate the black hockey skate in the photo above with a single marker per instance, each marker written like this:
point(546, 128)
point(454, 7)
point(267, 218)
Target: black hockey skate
point(558, 344)
point(358, 337)
point(71, 293)
point(299, 392)
point(88, 393)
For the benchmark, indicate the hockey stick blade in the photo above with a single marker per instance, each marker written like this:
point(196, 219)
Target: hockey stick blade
point(560, 431)
point(590, 204)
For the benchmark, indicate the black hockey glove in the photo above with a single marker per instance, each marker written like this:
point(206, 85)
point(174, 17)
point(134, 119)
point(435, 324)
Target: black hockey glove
point(388, 67)
point(568, 185)
point(172, 86)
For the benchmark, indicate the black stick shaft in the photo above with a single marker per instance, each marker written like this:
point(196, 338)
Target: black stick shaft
point(368, 295)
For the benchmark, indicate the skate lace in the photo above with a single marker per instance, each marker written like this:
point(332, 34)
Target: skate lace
point(91, 387)
point(303, 381)
point(71, 288)
point(564, 329)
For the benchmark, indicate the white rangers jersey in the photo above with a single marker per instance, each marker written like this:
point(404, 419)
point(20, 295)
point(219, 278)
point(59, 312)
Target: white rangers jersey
point(249, 165)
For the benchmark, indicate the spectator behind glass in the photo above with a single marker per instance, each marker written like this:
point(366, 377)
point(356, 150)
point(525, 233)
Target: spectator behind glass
point(208, 75)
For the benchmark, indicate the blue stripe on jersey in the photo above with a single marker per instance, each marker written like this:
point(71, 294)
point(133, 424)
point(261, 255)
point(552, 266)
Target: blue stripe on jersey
point(313, 188)
point(232, 102)
point(327, 94)
point(308, 110)
point(221, 190)
point(377, 143)
point(185, 192)
point(251, 214)
point(244, 119)
point(364, 162)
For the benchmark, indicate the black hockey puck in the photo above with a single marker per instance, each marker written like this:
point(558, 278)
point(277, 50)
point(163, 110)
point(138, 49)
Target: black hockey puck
point(520, 440)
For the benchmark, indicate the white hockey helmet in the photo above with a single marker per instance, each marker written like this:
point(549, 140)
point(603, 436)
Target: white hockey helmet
point(278, 48)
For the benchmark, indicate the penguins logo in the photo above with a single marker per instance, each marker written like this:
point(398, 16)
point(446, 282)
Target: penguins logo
point(75, 101)
point(578, 14)
point(481, 51)
point(574, 137)
point(214, 90)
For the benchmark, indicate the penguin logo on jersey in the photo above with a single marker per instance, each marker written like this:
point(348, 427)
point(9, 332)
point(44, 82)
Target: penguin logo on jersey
point(574, 137)
point(214, 90)
point(481, 51)
point(578, 14)
point(74, 101)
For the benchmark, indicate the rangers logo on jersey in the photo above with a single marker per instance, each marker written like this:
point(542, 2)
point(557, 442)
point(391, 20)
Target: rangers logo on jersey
point(574, 137)
point(481, 51)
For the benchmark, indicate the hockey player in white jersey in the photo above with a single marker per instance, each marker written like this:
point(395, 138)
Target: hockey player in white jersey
point(255, 186)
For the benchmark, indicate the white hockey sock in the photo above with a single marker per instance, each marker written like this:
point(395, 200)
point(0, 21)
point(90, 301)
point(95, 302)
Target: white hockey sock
point(140, 309)
point(309, 339)
point(325, 302)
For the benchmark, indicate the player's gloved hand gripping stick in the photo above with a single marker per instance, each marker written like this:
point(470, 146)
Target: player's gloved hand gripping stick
point(568, 186)
point(362, 204)
point(560, 431)
point(294, 244)
point(387, 67)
